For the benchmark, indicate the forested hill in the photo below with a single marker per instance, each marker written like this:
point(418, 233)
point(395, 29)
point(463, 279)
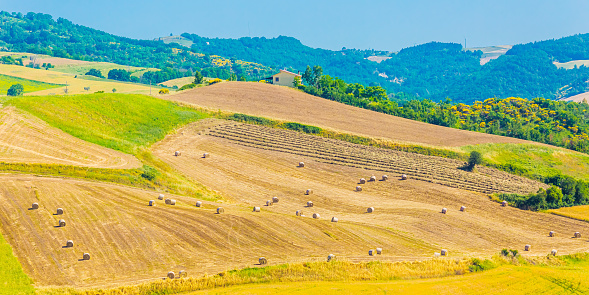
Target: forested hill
point(433, 70)
point(40, 33)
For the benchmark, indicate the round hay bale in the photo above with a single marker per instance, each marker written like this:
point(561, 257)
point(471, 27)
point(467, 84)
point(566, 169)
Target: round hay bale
point(444, 252)
point(334, 219)
point(444, 210)
point(198, 203)
point(527, 247)
point(577, 234)
point(206, 155)
point(172, 202)
point(269, 203)
point(552, 234)
point(385, 177)
point(177, 153)
point(59, 211)
point(372, 178)
point(86, 256)
point(35, 206)
point(256, 209)
point(403, 177)
point(61, 223)
point(263, 261)
point(462, 208)
point(504, 203)
point(171, 275)
point(378, 251)
point(371, 252)
point(182, 274)
point(301, 164)
point(362, 181)
point(151, 203)
point(358, 188)
point(275, 200)
point(309, 192)
point(553, 252)
point(330, 257)
point(160, 197)
point(69, 243)
point(220, 210)
point(309, 204)
point(168, 201)
point(370, 209)
point(299, 213)
point(316, 215)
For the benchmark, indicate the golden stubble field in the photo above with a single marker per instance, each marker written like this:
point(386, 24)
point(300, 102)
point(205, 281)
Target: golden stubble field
point(27, 139)
point(288, 104)
point(251, 175)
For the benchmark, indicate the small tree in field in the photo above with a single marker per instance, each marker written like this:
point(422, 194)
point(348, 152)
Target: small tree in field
point(114, 90)
point(198, 78)
point(475, 158)
point(15, 90)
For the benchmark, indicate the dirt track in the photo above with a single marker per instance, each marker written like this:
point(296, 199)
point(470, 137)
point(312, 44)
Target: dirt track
point(27, 139)
point(288, 104)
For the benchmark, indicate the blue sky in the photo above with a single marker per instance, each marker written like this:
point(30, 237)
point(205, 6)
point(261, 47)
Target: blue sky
point(383, 25)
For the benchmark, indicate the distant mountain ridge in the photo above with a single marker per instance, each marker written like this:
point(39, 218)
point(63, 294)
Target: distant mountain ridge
point(433, 70)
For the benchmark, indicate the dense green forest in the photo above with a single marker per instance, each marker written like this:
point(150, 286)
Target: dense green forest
point(41, 34)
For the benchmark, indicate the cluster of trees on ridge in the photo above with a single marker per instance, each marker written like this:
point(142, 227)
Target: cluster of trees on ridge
point(40, 34)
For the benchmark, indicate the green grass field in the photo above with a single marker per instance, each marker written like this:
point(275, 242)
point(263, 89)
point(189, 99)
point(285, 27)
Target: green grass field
point(28, 85)
point(12, 278)
point(538, 160)
point(124, 122)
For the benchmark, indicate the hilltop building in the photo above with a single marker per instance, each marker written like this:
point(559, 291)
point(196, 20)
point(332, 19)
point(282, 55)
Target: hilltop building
point(284, 78)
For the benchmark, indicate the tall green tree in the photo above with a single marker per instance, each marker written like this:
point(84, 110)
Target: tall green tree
point(198, 78)
point(15, 90)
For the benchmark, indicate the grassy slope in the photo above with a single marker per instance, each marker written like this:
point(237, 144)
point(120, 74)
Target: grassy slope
point(28, 85)
point(576, 212)
point(569, 278)
point(12, 278)
point(537, 159)
point(123, 122)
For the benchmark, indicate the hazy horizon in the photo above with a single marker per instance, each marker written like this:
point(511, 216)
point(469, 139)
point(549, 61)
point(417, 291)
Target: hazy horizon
point(380, 25)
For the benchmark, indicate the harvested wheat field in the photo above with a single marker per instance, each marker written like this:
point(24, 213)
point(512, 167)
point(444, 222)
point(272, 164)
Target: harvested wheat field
point(285, 103)
point(130, 241)
point(27, 139)
point(252, 169)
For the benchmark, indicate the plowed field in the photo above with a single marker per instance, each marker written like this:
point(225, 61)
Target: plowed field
point(284, 103)
point(27, 139)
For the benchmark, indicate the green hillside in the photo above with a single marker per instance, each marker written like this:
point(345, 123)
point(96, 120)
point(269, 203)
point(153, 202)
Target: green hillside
point(28, 85)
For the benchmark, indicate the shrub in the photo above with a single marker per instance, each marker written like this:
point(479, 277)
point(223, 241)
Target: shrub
point(164, 91)
point(505, 252)
point(187, 86)
point(15, 90)
point(302, 128)
point(149, 173)
point(215, 81)
point(475, 158)
point(481, 265)
point(95, 73)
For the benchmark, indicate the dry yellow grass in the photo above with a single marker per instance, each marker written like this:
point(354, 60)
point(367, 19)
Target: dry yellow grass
point(75, 85)
point(576, 212)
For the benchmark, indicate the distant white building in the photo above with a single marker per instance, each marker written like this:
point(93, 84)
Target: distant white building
point(284, 78)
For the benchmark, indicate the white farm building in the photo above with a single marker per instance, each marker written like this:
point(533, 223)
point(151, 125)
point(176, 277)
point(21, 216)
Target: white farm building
point(284, 78)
